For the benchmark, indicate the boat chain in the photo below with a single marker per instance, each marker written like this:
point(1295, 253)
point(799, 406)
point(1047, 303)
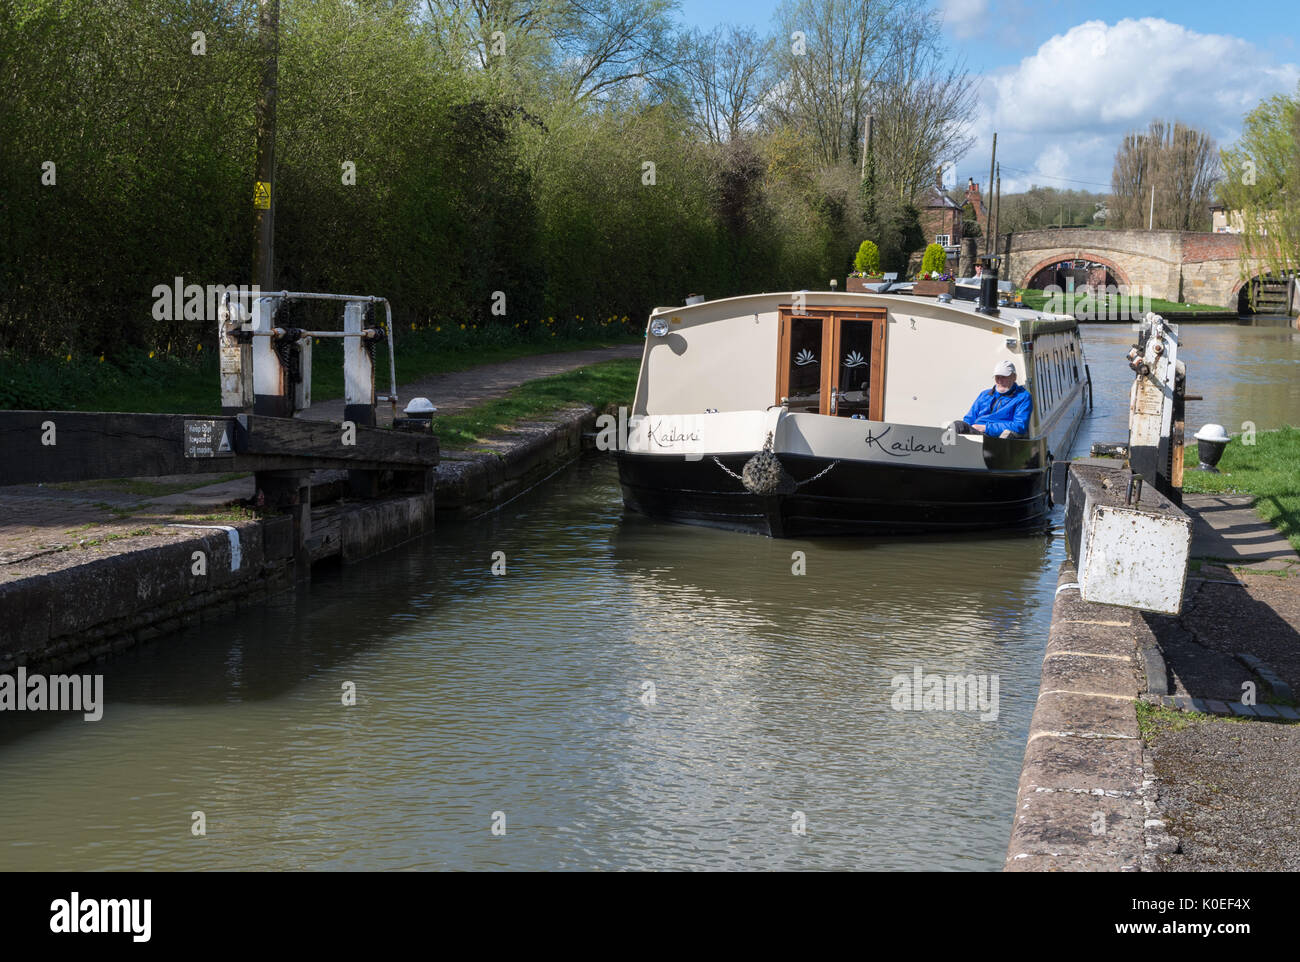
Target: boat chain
point(767, 463)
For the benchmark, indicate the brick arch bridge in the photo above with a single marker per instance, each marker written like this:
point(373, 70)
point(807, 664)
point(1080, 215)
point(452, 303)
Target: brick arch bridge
point(1187, 266)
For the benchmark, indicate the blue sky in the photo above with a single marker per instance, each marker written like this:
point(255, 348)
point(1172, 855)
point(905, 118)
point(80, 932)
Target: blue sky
point(1062, 82)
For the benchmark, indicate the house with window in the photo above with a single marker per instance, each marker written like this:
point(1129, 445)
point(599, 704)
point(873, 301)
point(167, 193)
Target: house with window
point(941, 216)
point(1224, 220)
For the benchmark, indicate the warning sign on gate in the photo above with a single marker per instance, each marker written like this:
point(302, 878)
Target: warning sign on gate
point(207, 439)
point(262, 195)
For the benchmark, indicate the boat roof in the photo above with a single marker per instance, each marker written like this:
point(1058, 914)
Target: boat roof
point(1006, 315)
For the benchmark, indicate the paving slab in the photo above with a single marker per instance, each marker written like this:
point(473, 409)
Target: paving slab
point(1071, 763)
point(1226, 526)
point(1064, 671)
point(1103, 828)
point(1228, 785)
point(1088, 716)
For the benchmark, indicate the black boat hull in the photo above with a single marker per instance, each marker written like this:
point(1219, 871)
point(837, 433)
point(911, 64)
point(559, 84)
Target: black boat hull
point(835, 497)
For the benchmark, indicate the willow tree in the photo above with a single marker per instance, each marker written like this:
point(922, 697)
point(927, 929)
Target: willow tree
point(1262, 185)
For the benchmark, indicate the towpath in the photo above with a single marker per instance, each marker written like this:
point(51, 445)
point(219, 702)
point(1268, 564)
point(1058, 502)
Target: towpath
point(460, 390)
point(1228, 785)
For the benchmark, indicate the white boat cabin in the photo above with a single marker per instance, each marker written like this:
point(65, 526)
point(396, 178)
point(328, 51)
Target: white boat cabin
point(891, 358)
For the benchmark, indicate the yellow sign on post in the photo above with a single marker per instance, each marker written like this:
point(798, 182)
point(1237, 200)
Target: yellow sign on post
point(262, 195)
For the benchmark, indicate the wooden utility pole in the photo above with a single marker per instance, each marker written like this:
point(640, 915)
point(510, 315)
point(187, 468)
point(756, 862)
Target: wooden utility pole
point(988, 211)
point(997, 204)
point(268, 31)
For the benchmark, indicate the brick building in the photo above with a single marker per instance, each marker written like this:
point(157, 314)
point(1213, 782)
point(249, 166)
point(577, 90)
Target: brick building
point(941, 216)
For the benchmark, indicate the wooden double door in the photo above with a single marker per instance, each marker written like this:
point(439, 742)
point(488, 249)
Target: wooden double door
point(832, 361)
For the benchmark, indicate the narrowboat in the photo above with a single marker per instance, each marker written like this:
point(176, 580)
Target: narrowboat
point(826, 413)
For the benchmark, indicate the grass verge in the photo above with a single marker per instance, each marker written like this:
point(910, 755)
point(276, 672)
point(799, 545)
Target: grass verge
point(1269, 470)
point(1156, 720)
point(611, 382)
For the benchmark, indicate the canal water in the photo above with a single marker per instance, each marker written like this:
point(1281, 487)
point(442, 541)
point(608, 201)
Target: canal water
point(626, 695)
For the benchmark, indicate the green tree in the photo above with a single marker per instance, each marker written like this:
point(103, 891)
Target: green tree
point(1262, 184)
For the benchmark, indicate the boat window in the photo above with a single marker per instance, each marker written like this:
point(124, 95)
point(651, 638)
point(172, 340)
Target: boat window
point(805, 364)
point(832, 362)
point(853, 382)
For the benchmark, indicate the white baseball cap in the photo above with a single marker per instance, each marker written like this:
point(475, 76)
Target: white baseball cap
point(1004, 369)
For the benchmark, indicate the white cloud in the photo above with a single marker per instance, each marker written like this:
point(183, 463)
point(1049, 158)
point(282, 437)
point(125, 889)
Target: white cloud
point(1062, 111)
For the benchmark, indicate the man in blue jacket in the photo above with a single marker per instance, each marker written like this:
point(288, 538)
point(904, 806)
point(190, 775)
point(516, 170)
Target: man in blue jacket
point(1004, 407)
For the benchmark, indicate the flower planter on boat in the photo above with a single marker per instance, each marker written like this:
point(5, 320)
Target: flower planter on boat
point(933, 288)
point(859, 284)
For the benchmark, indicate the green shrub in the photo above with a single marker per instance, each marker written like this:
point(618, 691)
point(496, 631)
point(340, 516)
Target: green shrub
point(935, 259)
point(867, 260)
